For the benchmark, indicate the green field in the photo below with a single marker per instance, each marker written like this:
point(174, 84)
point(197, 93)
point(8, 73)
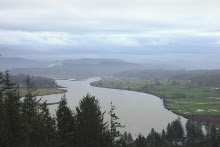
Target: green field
point(179, 98)
point(196, 101)
point(43, 91)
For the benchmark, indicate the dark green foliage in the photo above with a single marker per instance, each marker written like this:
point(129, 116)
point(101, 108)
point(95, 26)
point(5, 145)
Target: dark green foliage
point(127, 137)
point(175, 131)
point(130, 138)
point(3, 115)
point(154, 139)
point(30, 113)
point(90, 121)
point(49, 135)
point(66, 124)
point(40, 82)
point(114, 125)
point(164, 138)
point(140, 141)
point(30, 105)
point(218, 136)
point(10, 118)
point(26, 122)
point(213, 136)
point(194, 133)
point(38, 126)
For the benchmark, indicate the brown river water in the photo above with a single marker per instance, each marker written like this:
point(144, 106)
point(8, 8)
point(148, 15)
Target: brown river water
point(139, 112)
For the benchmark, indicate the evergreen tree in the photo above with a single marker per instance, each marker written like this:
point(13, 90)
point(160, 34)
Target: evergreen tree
point(213, 136)
point(199, 133)
point(90, 121)
point(3, 116)
point(11, 123)
point(169, 134)
point(175, 131)
point(140, 141)
point(154, 139)
point(151, 138)
point(66, 124)
point(30, 113)
point(114, 124)
point(208, 136)
point(218, 136)
point(190, 132)
point(130, 138)
point(127, 138)
point(164, 138)
point(194, 133)
point(47, 128)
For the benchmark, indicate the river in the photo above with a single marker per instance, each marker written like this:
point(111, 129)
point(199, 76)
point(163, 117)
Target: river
point(139, 112)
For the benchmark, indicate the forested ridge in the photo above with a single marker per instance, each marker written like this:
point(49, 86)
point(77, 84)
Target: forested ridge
point(40, 82)
point(78, 68)
point(27, 123)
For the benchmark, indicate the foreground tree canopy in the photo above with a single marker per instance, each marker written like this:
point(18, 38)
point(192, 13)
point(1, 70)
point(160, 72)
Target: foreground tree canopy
point(24, 122)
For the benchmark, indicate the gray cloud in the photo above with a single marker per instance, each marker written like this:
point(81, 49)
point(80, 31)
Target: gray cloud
point(159, 28)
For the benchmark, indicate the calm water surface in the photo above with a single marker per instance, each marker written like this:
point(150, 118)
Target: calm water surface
point(139, 112)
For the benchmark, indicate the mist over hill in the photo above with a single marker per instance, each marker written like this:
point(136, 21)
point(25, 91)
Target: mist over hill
point(15, 62)
point(80, 68)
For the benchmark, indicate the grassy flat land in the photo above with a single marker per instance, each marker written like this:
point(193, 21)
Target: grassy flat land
point(43, 91)
point(178, 98)
point(196, 101)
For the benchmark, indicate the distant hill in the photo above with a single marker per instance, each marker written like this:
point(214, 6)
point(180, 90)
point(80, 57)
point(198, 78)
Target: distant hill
point(80, 68)
point(91, 61)
point(14, 62)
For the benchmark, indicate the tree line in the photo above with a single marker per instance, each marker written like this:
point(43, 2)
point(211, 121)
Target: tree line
point(40, 82)
point(175, 136)
point(192, 78)
point(27, 123)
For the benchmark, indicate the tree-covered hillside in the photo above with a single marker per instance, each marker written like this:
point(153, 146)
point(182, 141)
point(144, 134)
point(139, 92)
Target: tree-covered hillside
point(40, 82)
point(80, 68)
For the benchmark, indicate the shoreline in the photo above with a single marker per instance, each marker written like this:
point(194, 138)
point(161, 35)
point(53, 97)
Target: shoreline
point(201, 118)
point(54, 93)
point(53, 103)
point(63, 92)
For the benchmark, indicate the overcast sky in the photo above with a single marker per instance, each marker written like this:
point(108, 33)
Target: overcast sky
point(104, 27)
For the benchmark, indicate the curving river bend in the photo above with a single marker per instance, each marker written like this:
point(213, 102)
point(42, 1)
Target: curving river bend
point(139, 112)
